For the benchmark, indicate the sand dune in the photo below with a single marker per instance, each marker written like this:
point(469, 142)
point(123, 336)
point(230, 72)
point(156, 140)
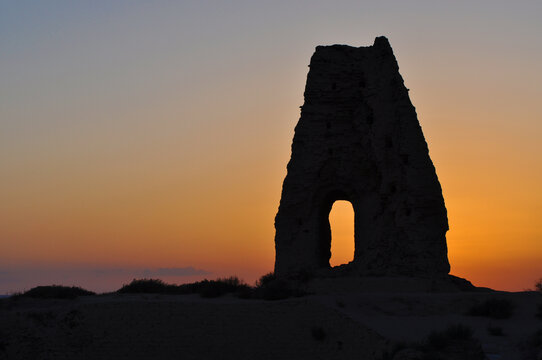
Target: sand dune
point(326, 325)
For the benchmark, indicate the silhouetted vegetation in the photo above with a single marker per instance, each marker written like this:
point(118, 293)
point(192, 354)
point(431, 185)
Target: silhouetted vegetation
point(441, 339)
point(318, 333)
point(205, 288)
point(397, 347)
point(54, 292)
point(265, 279)
point(538, 285)
point(495, 331)
point(493, 308)
point(148, 286)
point(267, 287)
point(456, 339)
point(536, 339)
point(219, 287)
point(455, 342)
point(534, 343)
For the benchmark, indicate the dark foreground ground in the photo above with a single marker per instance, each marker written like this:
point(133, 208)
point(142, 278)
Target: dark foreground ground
point(382, 322)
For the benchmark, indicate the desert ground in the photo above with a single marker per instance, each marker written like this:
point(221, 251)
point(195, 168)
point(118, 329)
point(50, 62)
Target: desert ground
point(382, 318)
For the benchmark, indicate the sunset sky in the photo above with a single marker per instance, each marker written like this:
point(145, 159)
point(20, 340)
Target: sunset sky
point(150, 139)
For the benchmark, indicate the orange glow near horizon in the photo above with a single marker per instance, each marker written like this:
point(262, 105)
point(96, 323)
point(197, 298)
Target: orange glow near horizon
point(341, 219)
point(134, 137)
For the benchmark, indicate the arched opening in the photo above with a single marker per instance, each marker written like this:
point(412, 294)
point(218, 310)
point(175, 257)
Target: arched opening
point(341, 220)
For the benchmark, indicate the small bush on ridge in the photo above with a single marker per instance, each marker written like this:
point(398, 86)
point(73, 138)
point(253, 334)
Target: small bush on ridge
point(147, 286)
point(265, 279)
point(267, 287)
point(318, 333)
point(205, 288)
point(441, 339)
point(495, 331)
point(55, 292)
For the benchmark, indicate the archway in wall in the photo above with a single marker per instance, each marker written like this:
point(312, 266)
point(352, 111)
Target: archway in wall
point(341, 220)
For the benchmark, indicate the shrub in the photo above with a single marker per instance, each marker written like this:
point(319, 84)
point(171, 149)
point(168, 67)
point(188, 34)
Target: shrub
point(538, 285)
point(459, 332)
point(275, 289)
point(265, 279)
point(536, 339)
point(495, 331)
point(55, 292)
point(206, 288)
point(318, 333)
point(493, 308)
point(219, 287)
point(441, 339)
point(147, 286)
point(267, 287)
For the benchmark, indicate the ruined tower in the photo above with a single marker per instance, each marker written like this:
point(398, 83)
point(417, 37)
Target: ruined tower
point(359, 139)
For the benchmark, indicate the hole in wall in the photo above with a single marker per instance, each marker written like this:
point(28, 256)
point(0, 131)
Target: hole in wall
point(341, 220)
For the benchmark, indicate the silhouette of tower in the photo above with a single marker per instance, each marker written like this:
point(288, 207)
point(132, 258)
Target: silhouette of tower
point(359, 139)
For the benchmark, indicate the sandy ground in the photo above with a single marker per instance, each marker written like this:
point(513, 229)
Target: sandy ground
point(182, 327)
point(408, 310)
point(338, 324)
point(411, 317)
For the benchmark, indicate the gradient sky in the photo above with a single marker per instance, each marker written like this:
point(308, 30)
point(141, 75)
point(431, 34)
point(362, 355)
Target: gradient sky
point(151, 138)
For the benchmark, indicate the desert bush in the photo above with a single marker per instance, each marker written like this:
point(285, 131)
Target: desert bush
point(493, 308)
point(318, 333)
point(394, 349)
point(455, 342)
point(219, 287)
point(205, 288)
point(495, 331)
point(536, 339)
point(265, 279)
point(538, 285)
point(147, 286)
point(54, 292)
point(276, 289)
point(267, 288)
point(441, 339)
